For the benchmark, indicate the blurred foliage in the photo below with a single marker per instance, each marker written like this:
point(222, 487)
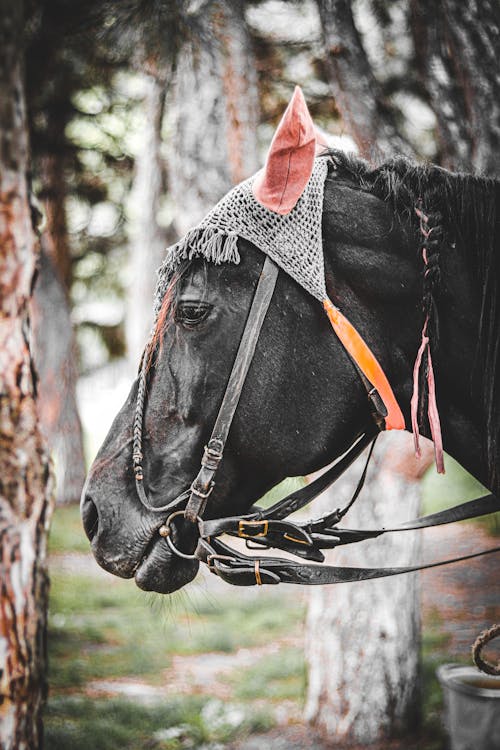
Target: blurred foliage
point(82, 107)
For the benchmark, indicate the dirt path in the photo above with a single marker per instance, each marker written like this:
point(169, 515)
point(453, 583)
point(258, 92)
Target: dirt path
point(464, 597)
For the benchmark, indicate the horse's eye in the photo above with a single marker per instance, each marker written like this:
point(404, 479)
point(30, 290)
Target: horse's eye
point(191, 314)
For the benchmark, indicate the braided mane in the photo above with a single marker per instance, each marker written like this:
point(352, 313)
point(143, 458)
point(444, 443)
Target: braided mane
point(463, 210)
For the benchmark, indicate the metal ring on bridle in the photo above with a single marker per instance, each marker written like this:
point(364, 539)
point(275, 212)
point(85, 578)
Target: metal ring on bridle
point(165, 532)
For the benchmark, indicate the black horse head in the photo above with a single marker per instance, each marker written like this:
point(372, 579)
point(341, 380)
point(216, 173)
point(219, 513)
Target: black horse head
point(303, 403)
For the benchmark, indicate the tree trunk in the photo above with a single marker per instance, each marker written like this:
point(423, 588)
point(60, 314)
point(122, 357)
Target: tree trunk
point(54, 342)
point(363, 639)
point(214, 117)
point(148, 240)
point(367, 117)
point(55, 356)
point(53, 194)
point(458, 47)
point(24, 466)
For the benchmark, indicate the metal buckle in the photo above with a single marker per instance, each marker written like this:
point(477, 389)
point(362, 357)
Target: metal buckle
point(242, 525)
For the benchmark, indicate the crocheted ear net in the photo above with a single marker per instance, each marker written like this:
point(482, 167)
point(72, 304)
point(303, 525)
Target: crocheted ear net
point(294, 241)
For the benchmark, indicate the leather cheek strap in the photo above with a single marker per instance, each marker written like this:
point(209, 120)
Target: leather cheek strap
point(202, 486)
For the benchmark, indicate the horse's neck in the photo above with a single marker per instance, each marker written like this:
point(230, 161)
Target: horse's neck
point(457, 368)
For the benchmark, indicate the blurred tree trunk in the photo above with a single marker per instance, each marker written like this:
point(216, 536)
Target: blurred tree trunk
point(214, 116)
point(212, 111)
point(367, 117)
point(25, 503)
point(458, 48)
point(363, 639)
point(54, 342)
point(55, 356)
point(148, 240)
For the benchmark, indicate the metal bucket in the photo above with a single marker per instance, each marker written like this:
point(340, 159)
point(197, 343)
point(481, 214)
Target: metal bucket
point(472, 707)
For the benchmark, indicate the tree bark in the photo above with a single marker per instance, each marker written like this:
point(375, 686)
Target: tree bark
point(148, 240)
point(214, 117)
point(363, 639)
point(54, 342)
point(24, 465)
point(458, 47)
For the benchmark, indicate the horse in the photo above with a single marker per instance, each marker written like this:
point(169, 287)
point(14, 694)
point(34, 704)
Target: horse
point(410, 258)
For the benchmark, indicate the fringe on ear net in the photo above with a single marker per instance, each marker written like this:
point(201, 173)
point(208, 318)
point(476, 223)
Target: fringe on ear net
point(206, 242)
point(294, 241)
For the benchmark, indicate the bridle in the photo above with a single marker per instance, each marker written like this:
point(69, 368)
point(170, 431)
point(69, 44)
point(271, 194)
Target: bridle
point(263, 529)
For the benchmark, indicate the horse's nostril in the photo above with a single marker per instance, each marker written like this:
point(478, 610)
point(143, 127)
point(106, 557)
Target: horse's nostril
point(90, 517)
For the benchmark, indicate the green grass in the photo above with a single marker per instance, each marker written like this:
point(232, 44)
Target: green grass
point(105, 627)
point(94, 629)
point(66, 532)
point(275, 677)
point(84, 724)
point(440, 491)
point(96, 626)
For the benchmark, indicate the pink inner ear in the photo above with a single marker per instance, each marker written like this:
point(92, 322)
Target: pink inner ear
point(290, 160)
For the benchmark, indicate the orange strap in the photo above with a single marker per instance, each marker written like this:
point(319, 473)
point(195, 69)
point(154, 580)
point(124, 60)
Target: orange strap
point(367, 363)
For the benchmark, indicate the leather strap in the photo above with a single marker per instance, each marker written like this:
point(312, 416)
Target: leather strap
point(298, 499)
point(203, 485)
point(307, 540)
point(240, 570)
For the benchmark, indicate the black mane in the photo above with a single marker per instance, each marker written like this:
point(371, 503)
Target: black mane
point(468, 208)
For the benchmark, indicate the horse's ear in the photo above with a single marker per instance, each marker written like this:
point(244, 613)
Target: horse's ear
point(290, 160)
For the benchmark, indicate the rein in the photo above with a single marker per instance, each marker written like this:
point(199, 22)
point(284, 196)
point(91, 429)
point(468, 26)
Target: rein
point(264, 529)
